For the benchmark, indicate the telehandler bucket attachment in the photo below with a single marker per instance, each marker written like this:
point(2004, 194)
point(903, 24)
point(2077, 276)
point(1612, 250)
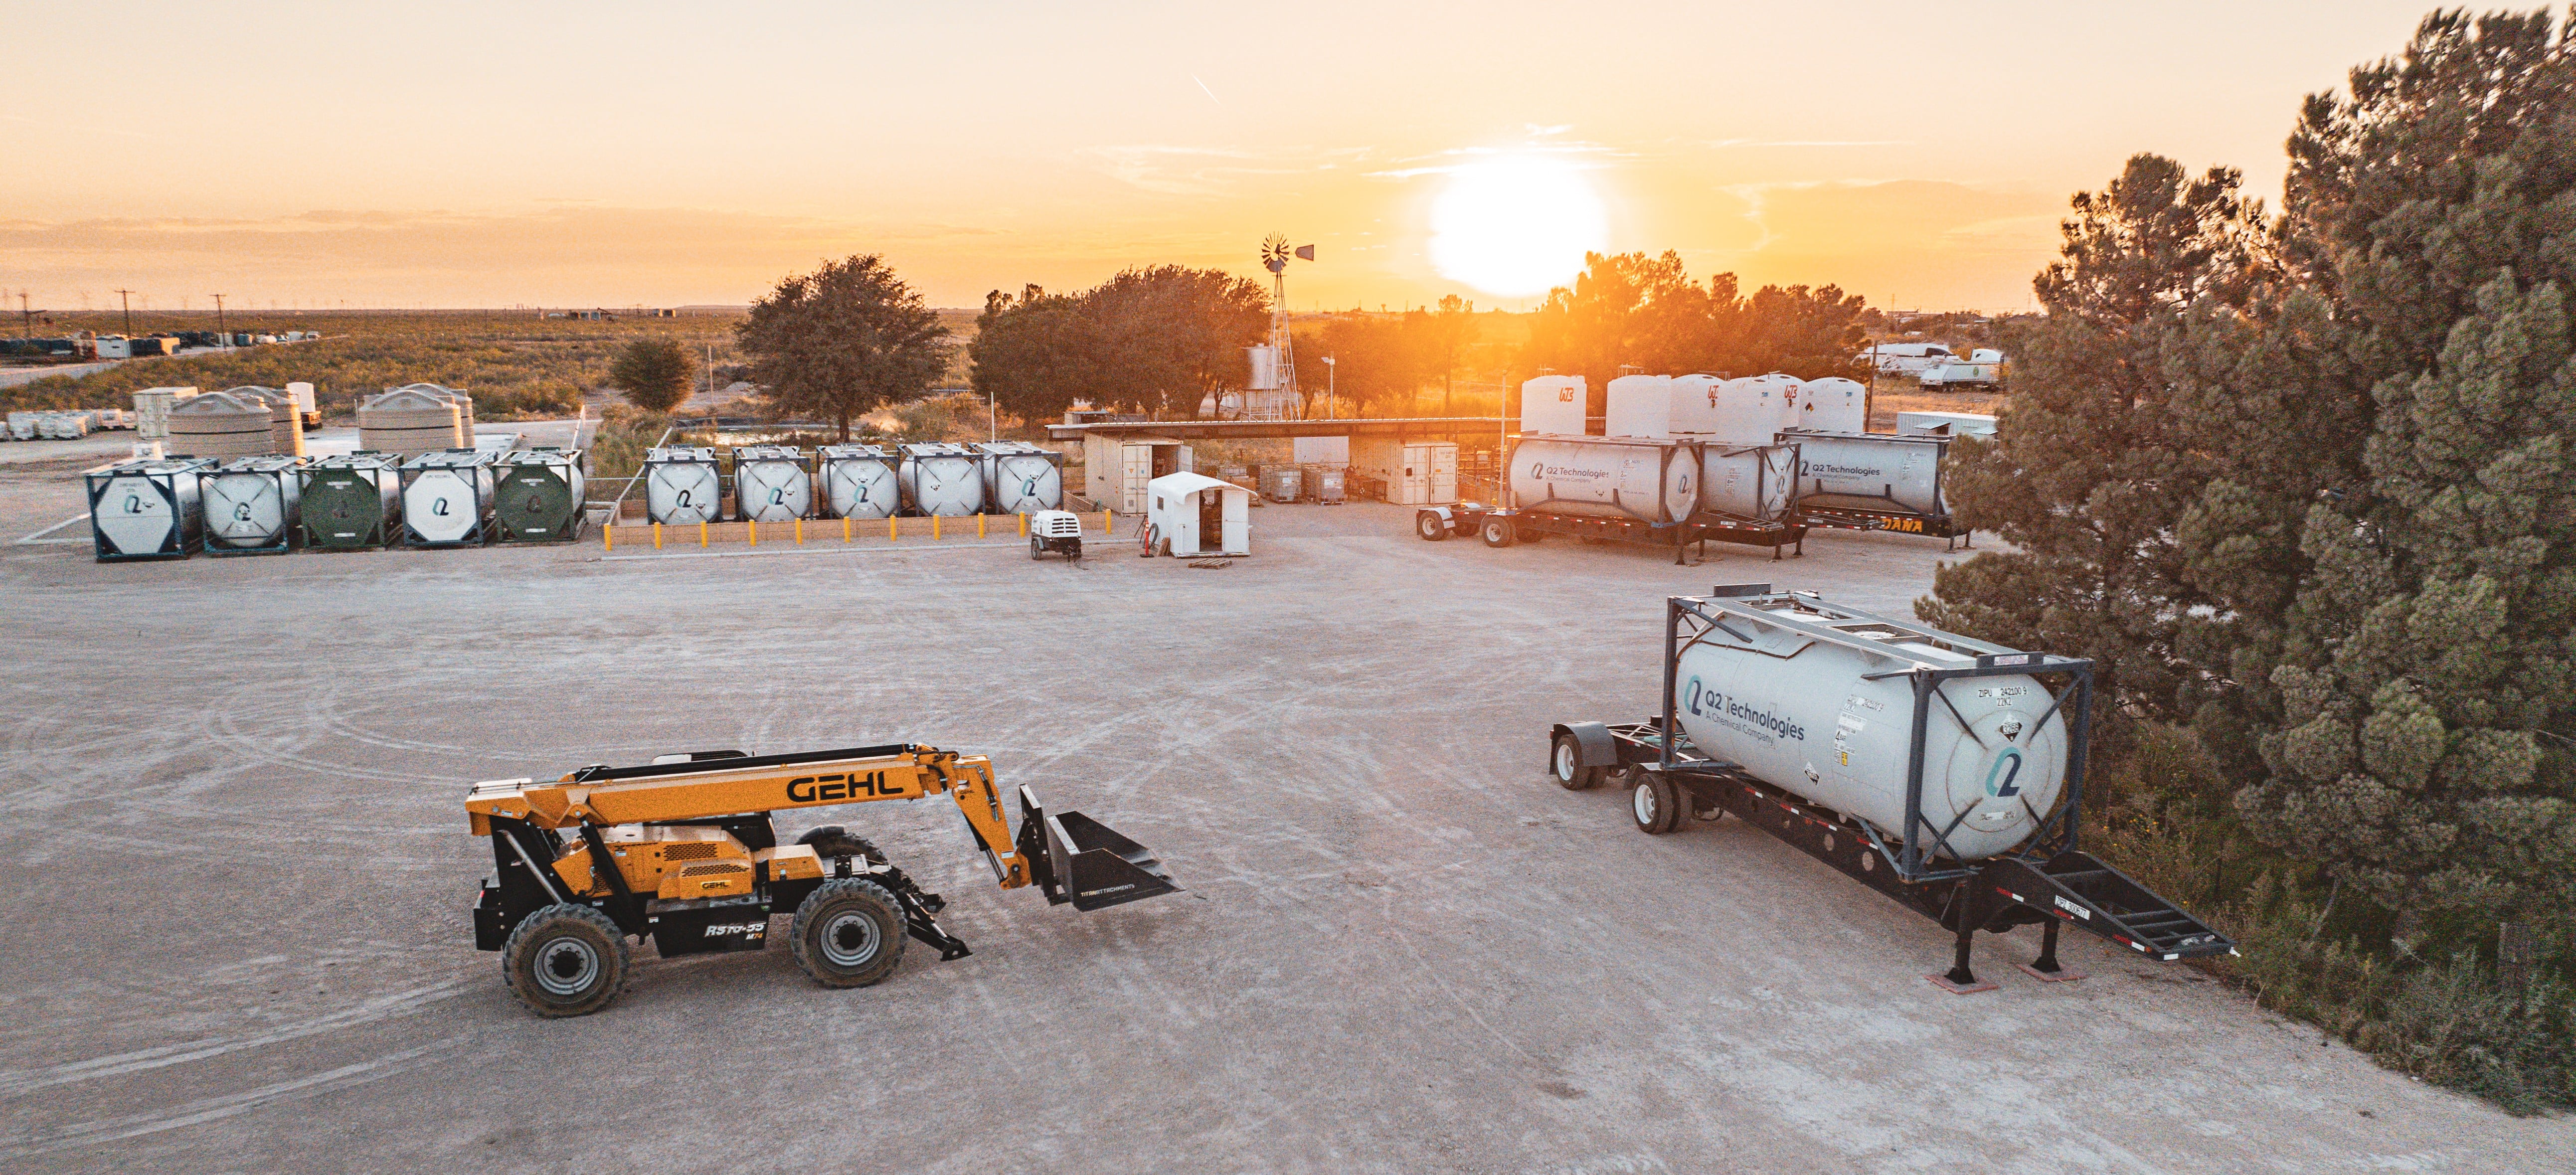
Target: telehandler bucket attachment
point(1080, 860)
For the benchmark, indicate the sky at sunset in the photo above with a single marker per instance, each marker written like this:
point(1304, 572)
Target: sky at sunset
point(464, 154)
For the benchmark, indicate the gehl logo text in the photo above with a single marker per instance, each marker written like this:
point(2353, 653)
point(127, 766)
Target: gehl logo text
point(808, 789)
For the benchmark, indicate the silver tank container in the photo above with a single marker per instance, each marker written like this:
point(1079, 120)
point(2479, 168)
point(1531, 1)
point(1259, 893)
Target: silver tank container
point(682, 486)
point(772, 483)
point(1606, 477)
point(1873, 471)
point(859, 481)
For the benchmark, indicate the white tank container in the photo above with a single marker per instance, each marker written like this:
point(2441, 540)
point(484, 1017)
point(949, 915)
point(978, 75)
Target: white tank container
point(1640, 406)
point(1752, 410)
point(252, 503)
point(147, 509)
point(1555, 404)
point(682, 486)
point(447, 498)
point(1874, 471)
point(772, 483)
point(941, 478)
point(1805, 716)
point(1831, 404)
point(1644, 480)
point(1756, 482)
point(859, 481)
point(1021, 478)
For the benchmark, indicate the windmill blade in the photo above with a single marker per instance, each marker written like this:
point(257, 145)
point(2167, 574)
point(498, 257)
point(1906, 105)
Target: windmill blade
point(1305, 252)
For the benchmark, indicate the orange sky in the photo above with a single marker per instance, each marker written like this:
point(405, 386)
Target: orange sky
point(614, 154)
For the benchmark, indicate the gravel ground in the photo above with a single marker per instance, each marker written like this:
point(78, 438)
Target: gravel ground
point(237, 875)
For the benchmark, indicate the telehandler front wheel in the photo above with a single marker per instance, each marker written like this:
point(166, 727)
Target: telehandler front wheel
point(832, 840)
point(849, 933)
point(566, 960)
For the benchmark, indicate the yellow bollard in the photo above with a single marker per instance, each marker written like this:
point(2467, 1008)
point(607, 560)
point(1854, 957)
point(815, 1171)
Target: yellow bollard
point(800, 532)
point(608, 537)
point(657, 536)
point(979, 526)
point(845, 528)
point(1108, 525)
point(934, 526)
point(702, 534)
point(1024, 524)
point(890, 534)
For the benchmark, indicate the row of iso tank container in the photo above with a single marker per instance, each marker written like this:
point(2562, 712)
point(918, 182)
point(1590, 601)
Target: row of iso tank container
point(777, 483)
point(64, 425)
point(174, 507)
point(1770, 448)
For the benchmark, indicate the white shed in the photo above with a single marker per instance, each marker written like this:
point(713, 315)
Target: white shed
point(1189, 514)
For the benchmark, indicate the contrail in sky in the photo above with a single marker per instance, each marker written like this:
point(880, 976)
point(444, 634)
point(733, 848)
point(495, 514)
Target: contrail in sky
point(1204, 90)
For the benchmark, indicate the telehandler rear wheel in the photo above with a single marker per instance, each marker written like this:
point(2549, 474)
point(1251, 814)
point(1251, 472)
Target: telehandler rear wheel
point(566, 960)
point(849, 933)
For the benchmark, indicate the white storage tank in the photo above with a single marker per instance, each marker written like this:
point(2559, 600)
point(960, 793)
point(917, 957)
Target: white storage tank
point(285, 420)
point(1752, 410)
point(1755, 482)
point(447, 499)
point(859, 481)
point(252, 505)
point(1556, 405)
point(1833, 720)
point(1642, 406)
point(1831, 404)
point(682, 486)
point(418, 418)
point(941, 478)
point(1021, 478)
point(772, 483)
point(1874, 472)
point(147, 509)
point(1648, 481)
point(222, 424)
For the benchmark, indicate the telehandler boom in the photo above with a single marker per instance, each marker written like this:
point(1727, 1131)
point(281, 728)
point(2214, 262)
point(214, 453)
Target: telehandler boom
point(695, 865)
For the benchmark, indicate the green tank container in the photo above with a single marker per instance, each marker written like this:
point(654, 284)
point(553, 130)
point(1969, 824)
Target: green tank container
point(352, 502)
point(540, 495)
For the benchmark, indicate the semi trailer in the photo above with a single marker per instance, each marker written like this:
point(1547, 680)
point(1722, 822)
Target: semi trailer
point(682, 851)
point(1944, 772)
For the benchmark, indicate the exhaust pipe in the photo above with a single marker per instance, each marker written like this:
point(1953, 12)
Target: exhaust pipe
point(1080, 860)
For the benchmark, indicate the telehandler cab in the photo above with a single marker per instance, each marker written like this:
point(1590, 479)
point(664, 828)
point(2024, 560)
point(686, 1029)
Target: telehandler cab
point(698, 867)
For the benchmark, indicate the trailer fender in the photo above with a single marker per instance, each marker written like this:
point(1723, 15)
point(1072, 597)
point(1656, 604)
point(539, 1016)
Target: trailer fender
point(1592, 741)
point(1434, 523)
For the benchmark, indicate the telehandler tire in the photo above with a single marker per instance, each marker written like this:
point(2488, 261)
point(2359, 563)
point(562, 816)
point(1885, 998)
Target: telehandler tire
point(832, 840)
point(566, 960)
point(849, 933)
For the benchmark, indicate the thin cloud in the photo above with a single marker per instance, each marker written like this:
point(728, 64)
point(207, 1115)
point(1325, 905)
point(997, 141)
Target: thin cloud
point(1203, 88)
point(1724, 143)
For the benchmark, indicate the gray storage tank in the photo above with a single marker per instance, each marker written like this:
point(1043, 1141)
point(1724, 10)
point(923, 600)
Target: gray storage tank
point(682, 486)
point(253, 505)
point(1021, 478)
point(772, 483)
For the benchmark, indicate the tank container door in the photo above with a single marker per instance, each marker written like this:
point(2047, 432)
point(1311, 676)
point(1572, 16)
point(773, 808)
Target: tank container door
point(134, 516)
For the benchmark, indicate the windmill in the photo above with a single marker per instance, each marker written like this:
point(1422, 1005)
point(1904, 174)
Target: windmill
point(1274, 365)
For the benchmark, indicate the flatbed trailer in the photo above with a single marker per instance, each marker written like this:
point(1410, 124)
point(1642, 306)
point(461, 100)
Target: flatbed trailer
point(2046, 881)
point(1898, 521)
point(1502, 526)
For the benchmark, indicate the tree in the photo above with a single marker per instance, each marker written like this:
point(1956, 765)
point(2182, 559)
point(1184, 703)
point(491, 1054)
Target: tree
point(1630, 310)
point(654, 374)
point(2092, 469)
point(844, 340)
point(1449, 330)
point(1155, 340)
point(2418, 731)
point(1035, 353)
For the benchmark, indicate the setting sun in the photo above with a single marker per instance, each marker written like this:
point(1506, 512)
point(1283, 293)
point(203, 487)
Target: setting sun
point(1516, 225)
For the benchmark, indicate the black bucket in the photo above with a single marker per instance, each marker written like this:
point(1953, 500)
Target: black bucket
point(1080, 860)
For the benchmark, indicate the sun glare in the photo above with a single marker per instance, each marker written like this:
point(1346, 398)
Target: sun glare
point(1516, 225)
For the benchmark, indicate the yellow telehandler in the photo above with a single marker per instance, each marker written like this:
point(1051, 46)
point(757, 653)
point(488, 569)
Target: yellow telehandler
point(694, 864)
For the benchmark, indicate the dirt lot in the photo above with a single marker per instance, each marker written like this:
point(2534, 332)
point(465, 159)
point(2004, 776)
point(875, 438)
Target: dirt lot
point(237, 878)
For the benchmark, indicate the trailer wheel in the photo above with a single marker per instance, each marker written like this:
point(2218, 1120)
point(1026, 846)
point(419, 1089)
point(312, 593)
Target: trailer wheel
point(1037, 546)
point(849, 933)
point(566, 960)
point(1656, 803)
point(832, 840)
point(1430, 526)
point(1497, 534)
point(1523, 534)
point(1565, 764)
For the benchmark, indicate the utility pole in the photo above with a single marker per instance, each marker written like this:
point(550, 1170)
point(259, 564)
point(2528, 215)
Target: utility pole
point(26, 317)
point(226, 340)
point(126, 297)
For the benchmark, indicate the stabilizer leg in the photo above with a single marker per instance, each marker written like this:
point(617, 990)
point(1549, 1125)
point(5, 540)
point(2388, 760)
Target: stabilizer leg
point(1959, 980)
point(2046, 968)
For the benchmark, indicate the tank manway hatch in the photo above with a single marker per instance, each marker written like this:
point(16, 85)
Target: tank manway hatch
point(859, 481)
point(447, 499)
point(1942, 771)
point(351, 502)
point(147, 509)
point(252, 505)
point(772, 483)
point(538, 496)
point(682, 486)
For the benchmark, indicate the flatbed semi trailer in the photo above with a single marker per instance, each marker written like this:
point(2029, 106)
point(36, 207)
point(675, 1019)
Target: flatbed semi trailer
point(1501, 526)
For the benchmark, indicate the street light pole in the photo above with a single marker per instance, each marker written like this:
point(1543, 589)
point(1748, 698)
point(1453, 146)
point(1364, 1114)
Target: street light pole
point(1332, 388)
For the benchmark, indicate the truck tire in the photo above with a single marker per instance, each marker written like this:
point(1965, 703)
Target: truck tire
point(1037, 546)
point(849, 933)
point(1564, 766)
point(1523, 534)
point(1430, 526)
point(566, 960)
point(831, 840)
point(1497, 533)
point(1656, 803)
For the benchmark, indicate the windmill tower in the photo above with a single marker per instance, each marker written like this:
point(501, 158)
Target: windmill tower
point(1272, 390)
